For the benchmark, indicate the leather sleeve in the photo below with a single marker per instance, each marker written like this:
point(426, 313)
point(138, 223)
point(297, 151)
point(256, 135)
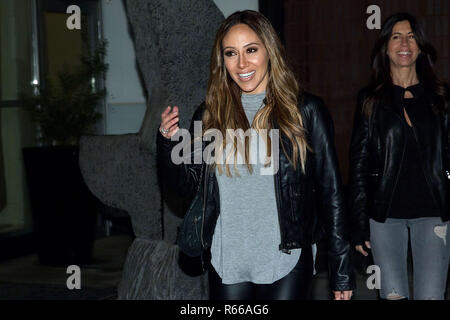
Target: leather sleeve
point(183, 178)
point(330, 194)
point(359, 175)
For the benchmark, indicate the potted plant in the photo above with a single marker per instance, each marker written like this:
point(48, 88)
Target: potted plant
point(64, 210)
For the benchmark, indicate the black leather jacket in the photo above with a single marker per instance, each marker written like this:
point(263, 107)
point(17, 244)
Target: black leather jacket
point(309, 204)
point(376, 155)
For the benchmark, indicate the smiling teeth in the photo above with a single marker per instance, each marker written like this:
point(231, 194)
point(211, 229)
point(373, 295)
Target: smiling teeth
point(403, 52)
point(246, 75)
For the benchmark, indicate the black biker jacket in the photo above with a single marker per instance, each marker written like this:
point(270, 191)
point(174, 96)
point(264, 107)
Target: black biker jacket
point(376, 155)
point(309, 204)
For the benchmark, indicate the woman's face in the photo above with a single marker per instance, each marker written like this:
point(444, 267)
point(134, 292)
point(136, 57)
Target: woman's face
point(403, 49)
point(246, 59)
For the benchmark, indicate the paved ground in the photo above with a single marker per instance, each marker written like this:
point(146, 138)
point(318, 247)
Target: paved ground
point(25, 278)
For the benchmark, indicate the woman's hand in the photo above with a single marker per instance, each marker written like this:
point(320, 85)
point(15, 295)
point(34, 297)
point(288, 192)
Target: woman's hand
point(343, 295)
point(361, 250)
point(169, 122)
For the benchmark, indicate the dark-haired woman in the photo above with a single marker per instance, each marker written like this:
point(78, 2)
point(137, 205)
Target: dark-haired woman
point(260, 227)
point(399, 157)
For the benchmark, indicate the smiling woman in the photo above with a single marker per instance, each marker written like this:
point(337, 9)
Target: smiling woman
point(257, 233)
point(399, 159)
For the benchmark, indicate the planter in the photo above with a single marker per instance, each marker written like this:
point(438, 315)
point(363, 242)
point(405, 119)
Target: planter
point(64, 211)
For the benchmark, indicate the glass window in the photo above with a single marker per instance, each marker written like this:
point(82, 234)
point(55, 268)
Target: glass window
point(15, 48)
point(17, 130)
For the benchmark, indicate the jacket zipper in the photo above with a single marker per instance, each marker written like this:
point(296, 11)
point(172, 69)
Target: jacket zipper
point(278, 211)
point(204, 203)
point(400, 169)
point(203, 217)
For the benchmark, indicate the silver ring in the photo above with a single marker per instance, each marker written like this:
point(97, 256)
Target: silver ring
point(164, 131)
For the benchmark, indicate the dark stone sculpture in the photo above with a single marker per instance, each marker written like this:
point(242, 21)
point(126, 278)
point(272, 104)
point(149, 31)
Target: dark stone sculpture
point(173, 41)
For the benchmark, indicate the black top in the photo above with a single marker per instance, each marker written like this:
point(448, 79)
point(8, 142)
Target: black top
point(412, 196)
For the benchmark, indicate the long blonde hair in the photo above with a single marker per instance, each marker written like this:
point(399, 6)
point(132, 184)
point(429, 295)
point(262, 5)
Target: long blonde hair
point(223, 98)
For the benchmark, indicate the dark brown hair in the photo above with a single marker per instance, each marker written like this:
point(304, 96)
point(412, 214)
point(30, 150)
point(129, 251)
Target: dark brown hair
point(381, 80)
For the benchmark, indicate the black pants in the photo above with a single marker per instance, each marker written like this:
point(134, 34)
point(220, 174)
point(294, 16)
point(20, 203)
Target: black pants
point(294, 286)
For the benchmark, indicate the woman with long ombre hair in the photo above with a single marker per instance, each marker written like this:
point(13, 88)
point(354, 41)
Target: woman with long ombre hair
point(273, 187)
point(399, 162)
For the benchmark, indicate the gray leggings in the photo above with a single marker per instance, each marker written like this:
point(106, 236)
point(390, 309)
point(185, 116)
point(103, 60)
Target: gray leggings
point(430, 246)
